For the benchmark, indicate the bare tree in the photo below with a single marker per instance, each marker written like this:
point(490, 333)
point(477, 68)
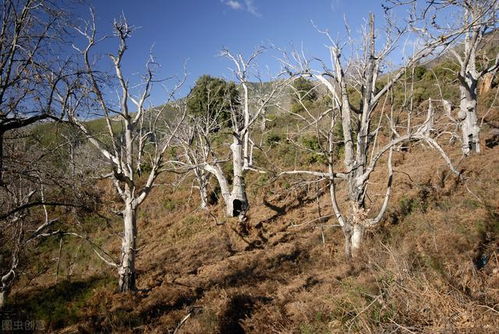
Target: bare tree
point(253, 103)
point(132, 140)
point(31, 34)
point(21, 228)
point(362, 145)
point(33, 183)
point(473, 19)
point(209, 106)
point(32, 68)
point(479, 17)
point(195, 138)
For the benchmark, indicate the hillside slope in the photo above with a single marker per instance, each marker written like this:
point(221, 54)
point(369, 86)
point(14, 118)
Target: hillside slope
point(431, 267)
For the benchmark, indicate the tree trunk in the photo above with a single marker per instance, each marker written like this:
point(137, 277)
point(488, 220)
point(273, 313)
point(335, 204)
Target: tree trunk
point(1, 156)
point(127, 267)
point(222, 182)
point(245, 145)
point(238, 205)
point(203, 192)
point(7, 281)
point(353, 240)
point(469, 120)
point(356, 239)
point(486, 83)
point(203, 187)
point(236, 202)
point(263, 123)
point(3, 299)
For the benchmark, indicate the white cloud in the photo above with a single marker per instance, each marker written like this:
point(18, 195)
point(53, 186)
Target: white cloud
point(248, 5)
point(251, 8)
point(234, 4)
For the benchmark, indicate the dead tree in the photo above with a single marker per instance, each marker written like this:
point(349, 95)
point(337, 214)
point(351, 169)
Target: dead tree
point(195, 138)
point(20, 230)
point(479, 17)
point(135, 136)
point(209, 108)
point(32, 184)
point(473, 19)
point(31, 34)
point(243, 118)
point(32, 67)
point(360, 141)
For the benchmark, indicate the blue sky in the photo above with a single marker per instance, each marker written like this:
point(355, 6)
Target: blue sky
point(196, 30)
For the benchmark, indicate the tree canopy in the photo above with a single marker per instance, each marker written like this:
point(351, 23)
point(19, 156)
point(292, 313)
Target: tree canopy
point(304, 94)
point(213, 98)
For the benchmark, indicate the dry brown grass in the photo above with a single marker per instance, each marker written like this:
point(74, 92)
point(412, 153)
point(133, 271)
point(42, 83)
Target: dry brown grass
point(417, 273)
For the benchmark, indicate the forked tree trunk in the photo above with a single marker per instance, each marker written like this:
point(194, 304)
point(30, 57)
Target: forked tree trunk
point(127, 275)
point(238, 204)
point(361, 153)
point(354, 229)
point(469, 120)
point(236, 201)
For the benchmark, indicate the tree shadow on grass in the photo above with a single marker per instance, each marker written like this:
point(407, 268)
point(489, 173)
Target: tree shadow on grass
point(302, 199)
point(239, 308)
point(57, 306)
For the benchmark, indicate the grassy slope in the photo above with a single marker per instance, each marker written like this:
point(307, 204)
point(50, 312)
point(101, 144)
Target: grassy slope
point(417, 272)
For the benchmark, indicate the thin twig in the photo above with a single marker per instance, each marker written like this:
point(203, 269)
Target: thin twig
point(184, 319)
point(402, 327)
point(365, 309)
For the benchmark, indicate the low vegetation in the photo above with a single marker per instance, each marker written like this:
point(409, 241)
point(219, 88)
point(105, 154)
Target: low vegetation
point(339, 198)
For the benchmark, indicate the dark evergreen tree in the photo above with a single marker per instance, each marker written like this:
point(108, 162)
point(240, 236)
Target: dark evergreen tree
point(214, 99)
point(304, 91)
